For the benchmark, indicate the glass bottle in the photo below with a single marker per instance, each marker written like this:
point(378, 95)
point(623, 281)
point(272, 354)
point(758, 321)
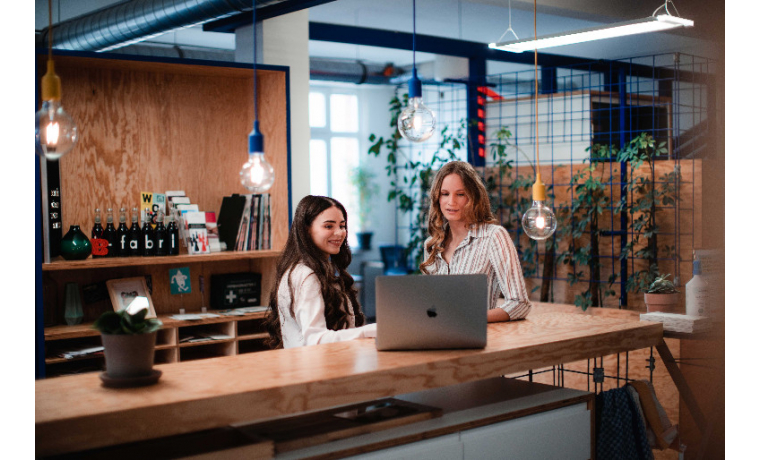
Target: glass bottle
point(97, 234)
point(109, 234)
point(172, 237)
point(160, 235)
point(148, 237)
point(122, 234)
point(135, 235)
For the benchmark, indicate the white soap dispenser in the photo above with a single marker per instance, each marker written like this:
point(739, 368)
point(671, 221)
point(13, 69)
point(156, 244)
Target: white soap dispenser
point(697, 293)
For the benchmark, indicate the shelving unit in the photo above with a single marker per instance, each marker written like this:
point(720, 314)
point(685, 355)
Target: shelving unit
point(246, 334)
point(149, 125)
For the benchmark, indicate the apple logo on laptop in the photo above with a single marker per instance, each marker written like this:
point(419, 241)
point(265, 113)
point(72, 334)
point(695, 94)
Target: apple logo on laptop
point(431, 312)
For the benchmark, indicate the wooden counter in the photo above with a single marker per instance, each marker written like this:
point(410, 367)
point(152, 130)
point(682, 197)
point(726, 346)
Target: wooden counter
point(76, 413)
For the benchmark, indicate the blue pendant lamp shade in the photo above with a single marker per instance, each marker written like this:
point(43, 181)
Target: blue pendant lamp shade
point(539, 221)
point(257, 175)
point(416, 122)
point(55, 132)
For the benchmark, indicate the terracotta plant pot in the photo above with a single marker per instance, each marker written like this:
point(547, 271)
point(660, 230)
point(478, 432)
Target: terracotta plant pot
point(666, 303)
point(129, 355)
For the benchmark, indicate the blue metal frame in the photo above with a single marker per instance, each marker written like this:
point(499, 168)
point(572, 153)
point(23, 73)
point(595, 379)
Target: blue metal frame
point(229, 24)
point(39, 299)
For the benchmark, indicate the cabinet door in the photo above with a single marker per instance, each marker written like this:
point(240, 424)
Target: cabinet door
point(561, 433)
point(447, 447)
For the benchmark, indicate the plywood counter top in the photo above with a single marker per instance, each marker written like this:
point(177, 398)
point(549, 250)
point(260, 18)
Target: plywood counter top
point(76, 412)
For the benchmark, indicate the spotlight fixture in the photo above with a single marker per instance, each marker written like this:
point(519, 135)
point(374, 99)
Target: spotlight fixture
point(654, 23)
point(257, 175)
point(416, 122)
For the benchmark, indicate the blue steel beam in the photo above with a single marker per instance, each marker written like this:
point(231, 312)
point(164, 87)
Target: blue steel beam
point(229, 24)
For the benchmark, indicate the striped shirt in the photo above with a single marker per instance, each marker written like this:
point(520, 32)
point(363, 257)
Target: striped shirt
point(488, 249)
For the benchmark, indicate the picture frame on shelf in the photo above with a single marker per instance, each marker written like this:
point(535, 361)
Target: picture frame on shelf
point(131, 294)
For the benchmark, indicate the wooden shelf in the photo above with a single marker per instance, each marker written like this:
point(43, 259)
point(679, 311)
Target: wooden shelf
point(261, 336)
point(90, 263)
point(168, 338)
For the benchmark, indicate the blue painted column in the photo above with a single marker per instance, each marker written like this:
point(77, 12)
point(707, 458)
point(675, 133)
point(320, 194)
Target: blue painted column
point(39, 315)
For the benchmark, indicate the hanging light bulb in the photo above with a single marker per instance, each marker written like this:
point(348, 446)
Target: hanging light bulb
point(257, 175)
point(416, 122)
point(539, 221)
point(55, 132)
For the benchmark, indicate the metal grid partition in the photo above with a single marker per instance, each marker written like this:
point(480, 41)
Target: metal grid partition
point(621, 222)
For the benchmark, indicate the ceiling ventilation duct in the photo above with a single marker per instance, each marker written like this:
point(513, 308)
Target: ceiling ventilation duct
point(133, 21)
point(322, 69)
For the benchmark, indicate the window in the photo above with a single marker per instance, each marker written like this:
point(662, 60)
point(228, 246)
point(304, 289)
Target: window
point(334, 147)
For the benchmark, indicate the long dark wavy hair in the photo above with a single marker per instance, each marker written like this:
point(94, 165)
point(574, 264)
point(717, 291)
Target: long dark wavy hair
point(477, 210)
point(335, 282)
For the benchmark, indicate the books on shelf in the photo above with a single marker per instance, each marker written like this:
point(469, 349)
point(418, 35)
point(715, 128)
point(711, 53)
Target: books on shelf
point(245, 222)
point(197, 236)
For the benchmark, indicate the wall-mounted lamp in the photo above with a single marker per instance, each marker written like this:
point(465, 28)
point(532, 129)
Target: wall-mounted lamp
point(55, 132)
point(654, 23)
point(257, 175)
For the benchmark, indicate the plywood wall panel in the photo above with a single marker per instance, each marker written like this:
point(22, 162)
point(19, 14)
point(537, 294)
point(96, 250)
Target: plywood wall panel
point(157, 127)
point(151, 126)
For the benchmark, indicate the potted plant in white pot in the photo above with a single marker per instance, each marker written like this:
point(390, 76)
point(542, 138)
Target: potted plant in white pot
point(363, 179)
point(662, 295)
point(129, 340)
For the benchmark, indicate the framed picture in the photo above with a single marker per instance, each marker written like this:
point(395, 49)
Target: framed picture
point(132, 294)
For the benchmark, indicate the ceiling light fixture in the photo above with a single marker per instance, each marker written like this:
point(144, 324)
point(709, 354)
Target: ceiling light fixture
point(416, 122)
point(55, 132)
point(257, 175)
point(539, 221)
point(654, 23)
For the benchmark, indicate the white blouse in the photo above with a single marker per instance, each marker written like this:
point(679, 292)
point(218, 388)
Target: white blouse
point(488, 249)
point(307, 326)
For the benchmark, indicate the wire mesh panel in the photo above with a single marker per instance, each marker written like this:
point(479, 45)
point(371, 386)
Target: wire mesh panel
point(620, 145)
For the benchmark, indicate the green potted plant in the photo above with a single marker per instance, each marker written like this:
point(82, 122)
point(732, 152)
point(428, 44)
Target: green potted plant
point(129, 340)
point(363, 179)
point(662, 295)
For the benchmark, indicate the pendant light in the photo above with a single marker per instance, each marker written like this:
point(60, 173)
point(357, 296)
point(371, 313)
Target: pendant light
point(416, 122)
point(539, 221)
point(257, 175)
point(55, 132)
point(654, 23)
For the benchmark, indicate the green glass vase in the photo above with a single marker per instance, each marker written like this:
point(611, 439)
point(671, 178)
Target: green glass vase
point(75, 245)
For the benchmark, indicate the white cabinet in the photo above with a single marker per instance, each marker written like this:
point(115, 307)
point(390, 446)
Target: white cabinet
point(447, 447)
point(563, 433)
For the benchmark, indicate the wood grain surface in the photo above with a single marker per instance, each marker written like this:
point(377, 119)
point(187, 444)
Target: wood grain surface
point(152, 126)
point(76, 412)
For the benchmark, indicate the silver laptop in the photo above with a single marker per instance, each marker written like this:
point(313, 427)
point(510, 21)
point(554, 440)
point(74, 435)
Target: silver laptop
point(424, 312)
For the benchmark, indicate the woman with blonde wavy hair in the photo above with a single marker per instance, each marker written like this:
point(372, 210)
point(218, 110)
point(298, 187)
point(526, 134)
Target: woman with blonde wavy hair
point(465, 238)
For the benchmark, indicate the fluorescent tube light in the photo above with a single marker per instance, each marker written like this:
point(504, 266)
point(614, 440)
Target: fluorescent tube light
point(618, 29)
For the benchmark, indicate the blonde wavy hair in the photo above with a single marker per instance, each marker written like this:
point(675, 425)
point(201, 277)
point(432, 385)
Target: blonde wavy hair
point(477, 210)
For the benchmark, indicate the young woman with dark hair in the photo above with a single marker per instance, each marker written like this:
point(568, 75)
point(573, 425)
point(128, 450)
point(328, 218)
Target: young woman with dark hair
point(466, 238)
point(313, 300)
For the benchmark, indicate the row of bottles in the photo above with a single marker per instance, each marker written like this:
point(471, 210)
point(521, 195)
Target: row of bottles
point(163, 240)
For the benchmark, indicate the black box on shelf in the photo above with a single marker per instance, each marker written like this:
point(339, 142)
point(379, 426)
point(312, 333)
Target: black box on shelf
point(235, 290)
